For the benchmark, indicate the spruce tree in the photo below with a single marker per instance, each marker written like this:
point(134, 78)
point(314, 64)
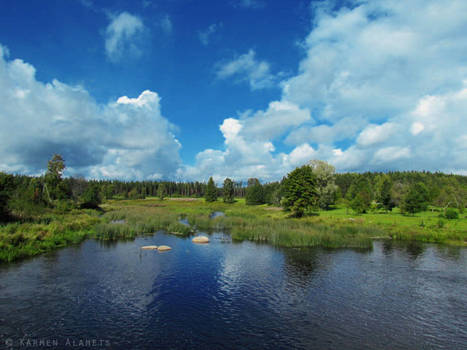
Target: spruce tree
point(254, 192)
point(384, 195)
point(161, 191)
point(228, 191)
point(211, 191)
point(300, 191)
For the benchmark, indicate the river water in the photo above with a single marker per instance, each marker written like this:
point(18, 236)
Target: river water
point(226, 295)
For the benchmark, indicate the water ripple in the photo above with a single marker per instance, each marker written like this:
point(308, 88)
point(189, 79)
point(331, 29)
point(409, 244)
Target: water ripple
point(228, 296)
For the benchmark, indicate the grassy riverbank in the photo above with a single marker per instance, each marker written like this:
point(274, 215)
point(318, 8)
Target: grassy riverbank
point(46, 232)
point(334, 228)
point(130, 218)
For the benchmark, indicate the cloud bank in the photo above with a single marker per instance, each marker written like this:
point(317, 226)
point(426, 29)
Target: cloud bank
point(380, 88)
point(126, 139)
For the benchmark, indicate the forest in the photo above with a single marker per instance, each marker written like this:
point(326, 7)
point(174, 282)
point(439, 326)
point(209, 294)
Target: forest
point(311, 206)
point(24, 197)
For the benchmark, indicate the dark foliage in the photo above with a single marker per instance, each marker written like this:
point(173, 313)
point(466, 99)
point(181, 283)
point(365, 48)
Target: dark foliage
point(211, 191)
point(228, 191)
point(300, 193)
point(254, 192)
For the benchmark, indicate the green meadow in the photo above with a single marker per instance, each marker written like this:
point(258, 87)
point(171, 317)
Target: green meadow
point(127, 219)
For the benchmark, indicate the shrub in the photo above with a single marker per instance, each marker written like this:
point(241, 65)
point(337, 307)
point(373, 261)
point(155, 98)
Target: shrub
point(451, 214)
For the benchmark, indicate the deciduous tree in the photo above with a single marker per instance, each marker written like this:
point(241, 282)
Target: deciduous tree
point(359, 195)
point(416, 199)
point(325, 183)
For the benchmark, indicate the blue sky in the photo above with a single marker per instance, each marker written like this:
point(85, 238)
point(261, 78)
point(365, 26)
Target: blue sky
point(185, 89)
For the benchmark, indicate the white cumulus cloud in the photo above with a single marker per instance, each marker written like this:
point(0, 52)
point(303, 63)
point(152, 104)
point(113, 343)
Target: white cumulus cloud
point(122, 36)
point(126, 139)
point(385, 92)
point(247, 68)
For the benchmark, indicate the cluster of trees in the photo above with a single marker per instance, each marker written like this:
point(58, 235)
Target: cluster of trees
point(412, 192)
point(307, 188)
point(22, 196)
point(316, 186)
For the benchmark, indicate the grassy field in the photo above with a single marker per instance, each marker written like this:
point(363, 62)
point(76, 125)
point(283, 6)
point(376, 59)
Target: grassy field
point(333, 228)
point(125, 219)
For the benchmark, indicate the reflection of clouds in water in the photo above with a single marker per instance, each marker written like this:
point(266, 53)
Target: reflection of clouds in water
point(246, 264)
point(239, 296)
point(130, 274)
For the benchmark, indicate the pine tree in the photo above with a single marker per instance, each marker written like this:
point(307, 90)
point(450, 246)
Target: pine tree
point(161, 191)
point(228, 191)
point(211, 191)
point(300, 192)
point(384, 194)
point(254, 192)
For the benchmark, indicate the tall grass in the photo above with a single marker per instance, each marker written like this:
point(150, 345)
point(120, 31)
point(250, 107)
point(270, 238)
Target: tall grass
point(131, 218)
point(20, 240)
point(139, 221)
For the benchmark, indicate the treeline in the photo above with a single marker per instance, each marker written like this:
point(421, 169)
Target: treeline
point(315, 186)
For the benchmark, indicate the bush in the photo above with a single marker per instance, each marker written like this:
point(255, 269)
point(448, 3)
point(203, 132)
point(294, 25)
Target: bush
point(451, 214)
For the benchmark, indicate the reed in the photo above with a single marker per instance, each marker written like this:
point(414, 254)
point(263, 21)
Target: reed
point(128, 219)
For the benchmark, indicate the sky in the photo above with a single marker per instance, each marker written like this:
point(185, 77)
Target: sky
point(184, 90)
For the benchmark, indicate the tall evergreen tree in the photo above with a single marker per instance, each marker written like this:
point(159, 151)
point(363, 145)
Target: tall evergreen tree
point(161, 191)
point(384, 194)
point(254, 192)
point(228, 191)
point(300, 193)
point(211, 191)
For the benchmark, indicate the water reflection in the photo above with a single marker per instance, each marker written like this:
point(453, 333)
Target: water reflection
point(413, 249)
point(243, 295)
point(300, 263)
point(216, 214)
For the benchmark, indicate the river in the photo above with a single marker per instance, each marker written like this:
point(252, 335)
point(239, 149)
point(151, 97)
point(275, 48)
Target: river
point(226, 295)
